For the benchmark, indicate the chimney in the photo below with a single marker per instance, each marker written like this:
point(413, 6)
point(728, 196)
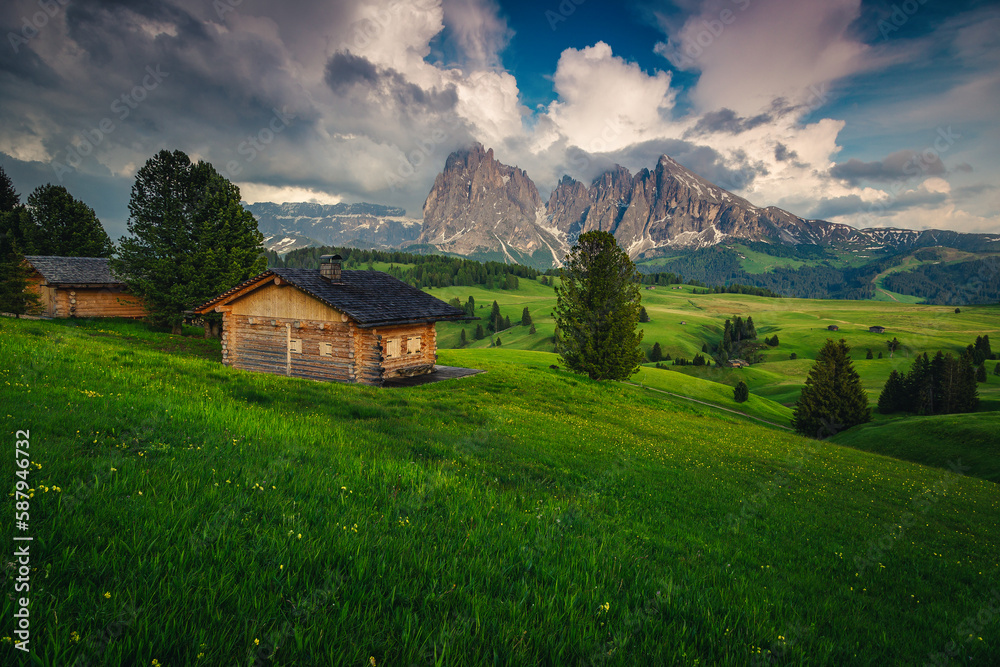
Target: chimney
point(329, 268)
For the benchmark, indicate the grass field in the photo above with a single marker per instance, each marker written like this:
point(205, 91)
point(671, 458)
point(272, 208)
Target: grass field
point(801, 326)
point(184, 513)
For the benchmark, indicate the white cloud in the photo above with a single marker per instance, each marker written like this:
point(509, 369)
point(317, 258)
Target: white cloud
point(752, 53)
point(261, 192)
point(606, 103)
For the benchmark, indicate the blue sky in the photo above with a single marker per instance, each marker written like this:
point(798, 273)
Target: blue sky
point(869, 113)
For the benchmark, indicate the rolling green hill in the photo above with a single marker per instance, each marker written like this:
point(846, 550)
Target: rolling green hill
point(184, 513)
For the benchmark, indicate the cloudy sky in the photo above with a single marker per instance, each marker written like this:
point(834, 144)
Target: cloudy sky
point(878, 113)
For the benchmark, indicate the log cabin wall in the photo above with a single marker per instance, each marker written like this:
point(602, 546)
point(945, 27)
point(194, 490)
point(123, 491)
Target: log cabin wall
point(400, 358)
point(281, 330)
point(46, 298)
point(99, 302)
point(368, 346)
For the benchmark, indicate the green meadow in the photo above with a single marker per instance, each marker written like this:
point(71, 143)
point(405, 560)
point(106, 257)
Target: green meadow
point(184, 513)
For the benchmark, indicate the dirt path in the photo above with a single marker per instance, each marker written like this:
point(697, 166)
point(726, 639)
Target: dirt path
point(711, 405)
point(888, 295)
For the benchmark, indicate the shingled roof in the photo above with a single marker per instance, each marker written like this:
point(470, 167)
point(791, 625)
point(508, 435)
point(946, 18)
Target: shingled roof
point(370, 298)
point(73, 270)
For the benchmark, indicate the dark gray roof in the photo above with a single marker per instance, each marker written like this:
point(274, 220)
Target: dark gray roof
point(73, 270)
point(370, 298)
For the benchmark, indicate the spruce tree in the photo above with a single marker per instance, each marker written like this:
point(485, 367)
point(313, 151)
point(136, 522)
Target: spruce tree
point(643, 315)
point(741, 392)
point(751, 329)
point(869, 355)
point(656, 354)
point(597, 309)
point(66, 227)
point(496, 320)
point(497, 343)
point(833, 398)
point(462, 340)
point(531, 329)
point(480, 333)
point(981, 373)
point(9, 199)
point(15, 297)
point(506, 322)
point(191, 238)
point(892, 399)
point(525, 317)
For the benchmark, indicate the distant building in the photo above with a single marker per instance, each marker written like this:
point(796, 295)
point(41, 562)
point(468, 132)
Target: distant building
point(833, 327)
point(877, 330)
point(683, 322)
point(80, 287)
point(738, 363)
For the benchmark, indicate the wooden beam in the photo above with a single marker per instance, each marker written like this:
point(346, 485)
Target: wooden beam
point(223, 309)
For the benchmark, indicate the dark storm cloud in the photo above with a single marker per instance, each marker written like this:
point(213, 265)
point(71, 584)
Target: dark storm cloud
point(782, 153)
point(345, 70)
point(899, 166)
point(726, 120)
point(853, 204)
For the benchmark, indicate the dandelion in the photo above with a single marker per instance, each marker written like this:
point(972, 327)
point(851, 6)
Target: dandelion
point(300, 534)
point(156, 663)
point(107, 596)
point(74, 636)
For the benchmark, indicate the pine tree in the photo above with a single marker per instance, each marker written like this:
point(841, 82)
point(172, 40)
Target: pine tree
point(656, 354)
point(480, 333)
point(892, 398)
point(869, 355)
point(65, 226)
point(9, 199)
point(751, 329)
point(191, 238)
point(531, 330)
point(15, 297)
point(497, 343)
point(506, 322)
point(462, 339)
point(525, 317)
point(981, 373)
point(597, 309)
point(470, 307)
point(741, 392)
point(496, 320)
point(774, 341)
point(643, 316)
point(833, 398)
point(704, 347)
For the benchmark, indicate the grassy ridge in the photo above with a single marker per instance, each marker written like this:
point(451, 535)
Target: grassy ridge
point(801, 325)
point(521, 516)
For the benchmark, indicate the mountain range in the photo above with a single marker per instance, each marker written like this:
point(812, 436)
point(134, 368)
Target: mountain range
point(298, 225)
point(482, 208)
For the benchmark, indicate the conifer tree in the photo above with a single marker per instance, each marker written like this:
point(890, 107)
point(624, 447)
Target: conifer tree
point(643, 315)
point(480, 333)
point(506, 322)
point(597, 309)
point(65, 226)
point(996, 371)
point(531, 330)
point(525, 317)
point(462, 339)
point(497, 343)
point(751, 329)
point(496, 320)
point(892, 399)
point(833, 398)
point(981, 373)
point(869, 355)
point(15, 298)
point(191, 238)
point(656, 354)
point(893, 345)
point(741, 392)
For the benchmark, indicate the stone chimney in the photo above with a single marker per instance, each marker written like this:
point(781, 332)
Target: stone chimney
point(329, 268)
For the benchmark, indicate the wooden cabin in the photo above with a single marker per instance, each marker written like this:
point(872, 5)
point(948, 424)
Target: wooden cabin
point(833, 327)
point(80, 287)
point(738, 363)
point(877, 330)
point(329, 324)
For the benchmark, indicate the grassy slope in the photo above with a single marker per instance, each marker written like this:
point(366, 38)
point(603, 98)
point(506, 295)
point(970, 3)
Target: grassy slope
point(480, 520)
point(801, 326)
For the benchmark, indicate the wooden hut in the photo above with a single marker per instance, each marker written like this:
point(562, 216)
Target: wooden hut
point(877, 330)
point(833, 327)
point(80, 287)
point(329, 324)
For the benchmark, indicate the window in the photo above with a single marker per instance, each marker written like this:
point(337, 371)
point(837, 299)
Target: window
point(413, 345)
point(295, 346)
point(326, 349)
point(392, 348)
